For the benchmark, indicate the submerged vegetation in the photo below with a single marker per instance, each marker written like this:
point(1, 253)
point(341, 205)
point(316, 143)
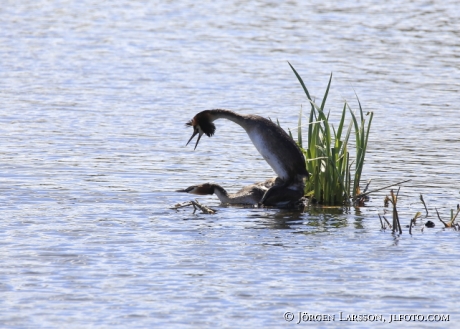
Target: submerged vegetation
point(334, 177)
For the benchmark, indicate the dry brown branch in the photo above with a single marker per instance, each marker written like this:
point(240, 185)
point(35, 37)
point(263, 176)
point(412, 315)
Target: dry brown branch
point(412, 221)
point(204, 209)
point(367, 186)
point(394, 201)
point(379, 189)
point(382, 224)
point(423, 201)
point(386, 201)
point(386, 220)
point(181, 205)
point(454, 217)
point(196, 205)
point(439, 217)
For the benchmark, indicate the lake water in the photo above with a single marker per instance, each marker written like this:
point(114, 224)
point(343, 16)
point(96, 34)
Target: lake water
point(94, 96)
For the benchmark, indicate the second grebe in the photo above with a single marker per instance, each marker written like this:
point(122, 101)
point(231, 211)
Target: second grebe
point(249, 195)
point(273, 143)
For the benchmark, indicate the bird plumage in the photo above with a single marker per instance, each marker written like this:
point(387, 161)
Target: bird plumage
point(248, 195)
point(273, 143)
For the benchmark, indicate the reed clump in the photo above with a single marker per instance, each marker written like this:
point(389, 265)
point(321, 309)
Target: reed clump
point(334, 177)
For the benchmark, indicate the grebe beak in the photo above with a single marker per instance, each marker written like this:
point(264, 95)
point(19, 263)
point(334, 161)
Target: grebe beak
point(187, 190)
point(195, 132)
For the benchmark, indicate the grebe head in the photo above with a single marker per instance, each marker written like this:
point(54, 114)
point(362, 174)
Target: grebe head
point(201, 124)
point(203, 189)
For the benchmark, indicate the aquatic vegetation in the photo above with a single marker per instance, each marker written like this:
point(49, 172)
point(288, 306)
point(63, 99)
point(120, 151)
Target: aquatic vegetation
point(334, 177)
point(396, 227)
point(450, 223)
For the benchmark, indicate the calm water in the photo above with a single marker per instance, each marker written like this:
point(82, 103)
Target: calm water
point(94, 97)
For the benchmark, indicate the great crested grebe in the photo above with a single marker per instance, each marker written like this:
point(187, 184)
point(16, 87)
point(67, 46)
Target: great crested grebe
point(249, 195)
point(273, 143)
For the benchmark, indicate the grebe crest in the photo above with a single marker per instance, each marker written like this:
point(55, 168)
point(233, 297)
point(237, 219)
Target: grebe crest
point(201, 124)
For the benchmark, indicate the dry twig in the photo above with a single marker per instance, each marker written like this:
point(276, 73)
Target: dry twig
point(439, 217)
point(452, 218)
point(396, 223)
point(196, 205)
point(386, 220)
point(412, 221)
point(423, 201)
point(381, 223)
point(379, 189)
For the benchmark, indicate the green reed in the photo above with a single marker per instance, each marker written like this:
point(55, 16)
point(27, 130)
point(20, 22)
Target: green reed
point(332, 179)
